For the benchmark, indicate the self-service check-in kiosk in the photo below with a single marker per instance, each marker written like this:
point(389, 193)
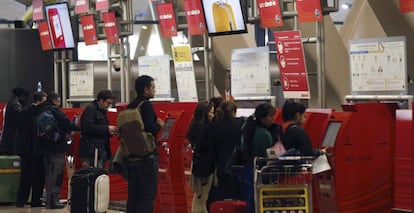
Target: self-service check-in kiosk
point(171, 176)
point(403, 188)
point(187, 110)
point(361, 143)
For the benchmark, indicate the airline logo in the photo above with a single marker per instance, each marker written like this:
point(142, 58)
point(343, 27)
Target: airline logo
point(166, 16)
point(80, 2)
point(37, 10)
point(110, 24)
point(44, 33)
point(88, 27)
point(193, 12)
point(267, 4)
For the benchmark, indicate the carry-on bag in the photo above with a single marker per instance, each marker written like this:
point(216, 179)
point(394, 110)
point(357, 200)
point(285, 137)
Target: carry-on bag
point(9, 178)
point(89, 190)
point(228, 206)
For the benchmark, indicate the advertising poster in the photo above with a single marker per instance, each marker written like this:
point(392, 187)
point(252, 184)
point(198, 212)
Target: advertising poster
point(44, 36)
point(223, 16)
point(195, 17)
point(378, 65)
point(157, 67)
point(110, 27)
point(81, 80)
point(184, 73)
point(60, 26)
point(167, 20)
point(406, 6)
point(291, 60)
point(89, 29)
point(102, 5)
point(81, 6)
point(270, 15)
point(250, 75)
point(37, 10)
point(309, 10)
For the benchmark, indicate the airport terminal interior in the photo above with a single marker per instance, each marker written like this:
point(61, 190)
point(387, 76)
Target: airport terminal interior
point(347, 61)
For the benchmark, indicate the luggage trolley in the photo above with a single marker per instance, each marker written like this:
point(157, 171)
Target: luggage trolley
point(283, 185)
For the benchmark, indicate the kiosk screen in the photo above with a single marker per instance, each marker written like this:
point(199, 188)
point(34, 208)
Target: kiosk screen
point(165, 134)
point(331, 133)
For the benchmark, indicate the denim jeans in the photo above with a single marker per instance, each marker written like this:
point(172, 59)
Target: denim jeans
point(142, 184)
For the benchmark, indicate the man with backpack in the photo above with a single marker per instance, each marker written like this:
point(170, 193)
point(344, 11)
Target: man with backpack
point(143, 171)
point(53, 148)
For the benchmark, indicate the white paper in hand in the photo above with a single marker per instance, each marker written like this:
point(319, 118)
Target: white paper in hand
point(320, 164)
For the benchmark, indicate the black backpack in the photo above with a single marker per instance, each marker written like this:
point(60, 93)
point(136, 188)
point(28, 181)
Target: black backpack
point(46, 125)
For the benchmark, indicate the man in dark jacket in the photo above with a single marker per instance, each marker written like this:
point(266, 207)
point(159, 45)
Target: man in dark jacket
point(32, 168)
point(13, 108)
point(54, 152)
point(96, 130)
point(143, 172)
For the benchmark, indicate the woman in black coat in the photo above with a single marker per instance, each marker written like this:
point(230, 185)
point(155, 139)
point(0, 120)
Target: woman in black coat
point(223, 136)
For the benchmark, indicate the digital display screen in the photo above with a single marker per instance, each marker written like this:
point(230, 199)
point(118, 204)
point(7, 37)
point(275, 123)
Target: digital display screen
point(224, 17)
point(165, 134)
point(331, 134)
point(60, 27)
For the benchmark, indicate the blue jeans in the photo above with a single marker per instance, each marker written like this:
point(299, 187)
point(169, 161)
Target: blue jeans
point(142, 184)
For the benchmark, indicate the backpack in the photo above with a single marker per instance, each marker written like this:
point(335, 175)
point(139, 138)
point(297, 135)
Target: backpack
point(46, 126)
point(135, 141)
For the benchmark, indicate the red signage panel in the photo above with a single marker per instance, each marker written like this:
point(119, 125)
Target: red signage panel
point(309, 10)
point(292, 66)
point(102, 5)
point(44, 35)
point(38, 13)
point(270, 15)
point(195, 17)
point(81, 6)
point(89, 30)
point(167, 19)
point(111, 27)
point(406, 6)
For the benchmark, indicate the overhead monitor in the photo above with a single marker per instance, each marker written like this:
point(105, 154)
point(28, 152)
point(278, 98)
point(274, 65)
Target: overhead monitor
point(331, 134)
point(166, 130)
point(60, 27)
point(224, 17)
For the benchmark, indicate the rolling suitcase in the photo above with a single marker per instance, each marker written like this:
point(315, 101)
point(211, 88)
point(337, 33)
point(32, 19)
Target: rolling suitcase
point(89, 189)
point(228, 206)
point(9, 178)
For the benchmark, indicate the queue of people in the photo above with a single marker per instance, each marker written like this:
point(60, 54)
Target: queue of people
point(214, 133)
point(214, 141)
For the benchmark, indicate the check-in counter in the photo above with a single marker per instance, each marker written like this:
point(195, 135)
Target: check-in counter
point(361, 142)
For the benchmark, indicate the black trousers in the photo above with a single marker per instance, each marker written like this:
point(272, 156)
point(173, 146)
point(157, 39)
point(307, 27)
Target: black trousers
point(142, 184)
point(32, 177)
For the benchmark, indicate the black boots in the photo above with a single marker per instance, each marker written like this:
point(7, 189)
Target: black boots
point(54, 203)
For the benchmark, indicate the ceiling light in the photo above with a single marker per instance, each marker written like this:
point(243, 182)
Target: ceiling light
point(346, 6)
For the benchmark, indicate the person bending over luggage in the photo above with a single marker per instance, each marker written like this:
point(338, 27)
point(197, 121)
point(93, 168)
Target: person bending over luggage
point(223, 136)
point(202, 166)
point(53, 151)
point(257, 137)
point(143, 172)
point(96, 130)
point(32, 169)
point(295, 137)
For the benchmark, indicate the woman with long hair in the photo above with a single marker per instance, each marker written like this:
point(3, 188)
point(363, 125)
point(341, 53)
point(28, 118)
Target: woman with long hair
point(202, 167)
point(256, 138)
point(223, 136)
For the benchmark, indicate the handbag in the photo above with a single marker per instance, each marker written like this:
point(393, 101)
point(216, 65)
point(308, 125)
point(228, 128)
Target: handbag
point(276, 150)
point(236, 158)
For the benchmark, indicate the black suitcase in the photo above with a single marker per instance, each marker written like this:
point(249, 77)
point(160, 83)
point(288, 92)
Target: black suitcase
point(89, 190)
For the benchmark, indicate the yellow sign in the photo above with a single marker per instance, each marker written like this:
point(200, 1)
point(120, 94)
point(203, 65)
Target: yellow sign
point(182, 53)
